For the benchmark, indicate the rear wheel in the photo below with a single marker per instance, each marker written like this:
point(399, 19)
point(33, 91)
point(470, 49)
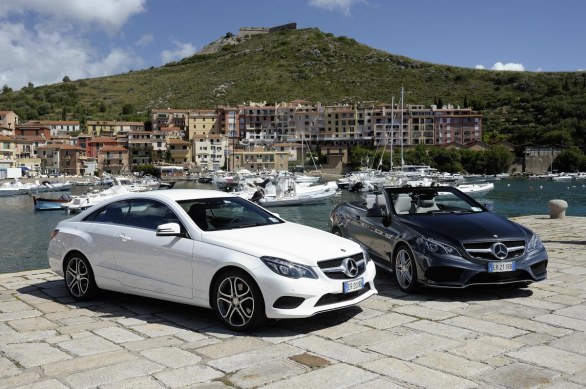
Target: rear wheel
point(237, 300)
point(405, 269)
point(79, 278)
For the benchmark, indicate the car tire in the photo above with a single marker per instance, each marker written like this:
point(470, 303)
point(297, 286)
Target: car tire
point(405, 269)
point(238, 302)
point(79, 278)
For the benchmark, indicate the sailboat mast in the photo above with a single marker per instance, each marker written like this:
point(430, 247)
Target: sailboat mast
point(392, 129)
point(380, 161)
point(401, 128)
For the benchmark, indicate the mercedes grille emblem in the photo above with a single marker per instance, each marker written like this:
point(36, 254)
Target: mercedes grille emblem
point(499, 250)
point(350, 267)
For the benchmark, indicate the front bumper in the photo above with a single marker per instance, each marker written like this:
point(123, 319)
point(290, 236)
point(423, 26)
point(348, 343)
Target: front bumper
point(457, 272)
point(298, 298)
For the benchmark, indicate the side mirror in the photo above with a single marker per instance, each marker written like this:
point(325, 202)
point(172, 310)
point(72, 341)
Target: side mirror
point(374, 212)
point(386, 220)
point(169, 229)
point(489, 207)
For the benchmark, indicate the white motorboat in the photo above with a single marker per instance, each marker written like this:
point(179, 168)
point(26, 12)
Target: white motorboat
point(476, 189)
point(288, 192)
point(136, 184)
point(10, 188)
point(92, 198)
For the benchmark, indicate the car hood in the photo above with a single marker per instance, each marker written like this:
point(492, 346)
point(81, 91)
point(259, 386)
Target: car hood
point(467, 227)
point(290, 241)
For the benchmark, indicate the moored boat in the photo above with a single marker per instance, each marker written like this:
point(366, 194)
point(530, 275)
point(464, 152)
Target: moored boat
point(475, 189)
point(92, 198)
point(49, 204)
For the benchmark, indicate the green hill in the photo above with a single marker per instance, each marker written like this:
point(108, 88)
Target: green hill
point(524, 107)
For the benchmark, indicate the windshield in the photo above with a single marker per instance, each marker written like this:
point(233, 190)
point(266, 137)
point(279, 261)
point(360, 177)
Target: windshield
point(431, 200)
point(226, 213)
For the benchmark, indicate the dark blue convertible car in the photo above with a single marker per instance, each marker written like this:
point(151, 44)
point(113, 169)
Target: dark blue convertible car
point(439, 236)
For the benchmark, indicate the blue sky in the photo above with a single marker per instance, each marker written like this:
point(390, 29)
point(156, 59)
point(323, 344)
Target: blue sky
point(42, 41)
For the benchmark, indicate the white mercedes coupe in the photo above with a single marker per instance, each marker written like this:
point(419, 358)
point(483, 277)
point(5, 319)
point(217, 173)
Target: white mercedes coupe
point(210, 249)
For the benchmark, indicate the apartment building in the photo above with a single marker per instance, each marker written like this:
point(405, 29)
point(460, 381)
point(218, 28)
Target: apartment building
point(210, 151)
point(33, 130)
point(257, 122)
point(201, 122)
point(159, 147)
point(140, 147)
point(113, 159)
point(259, 159)
point(168, 117)
point(61, 159)
point(8, 151)
point(112, 128)
point(8, 120)
point(57, 127)
point(461, 125)
point(98, 143)
point(341, 126)
point(179, 151)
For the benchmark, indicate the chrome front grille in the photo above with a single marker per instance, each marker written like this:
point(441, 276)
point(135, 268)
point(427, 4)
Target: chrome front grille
point(496, 251)
point(342, 268)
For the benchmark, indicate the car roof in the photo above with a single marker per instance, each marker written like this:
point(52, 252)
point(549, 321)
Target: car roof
point(178, 194)
point(403, 189)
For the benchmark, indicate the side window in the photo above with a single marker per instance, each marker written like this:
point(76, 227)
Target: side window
point(149, 214)
point(114, 213)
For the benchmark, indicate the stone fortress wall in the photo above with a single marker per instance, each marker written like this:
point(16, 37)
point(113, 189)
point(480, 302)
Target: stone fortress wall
point(243, 34)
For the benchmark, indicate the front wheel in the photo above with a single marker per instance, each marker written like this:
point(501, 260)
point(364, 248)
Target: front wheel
point(237, 300)
point(79, 278)
point(405, 270)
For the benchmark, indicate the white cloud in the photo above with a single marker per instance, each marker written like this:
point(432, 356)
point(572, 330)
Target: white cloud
point(336, 5)
point(182, 50)
point(145, 40)
point(44, 57)
point(516, 67)
point(106, 14)
point(42, 41)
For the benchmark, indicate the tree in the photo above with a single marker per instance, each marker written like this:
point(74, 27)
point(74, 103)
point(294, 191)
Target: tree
point(570, 160)
point(66, 79)
point(127, 109)
point(498, 160)
point(6, 89)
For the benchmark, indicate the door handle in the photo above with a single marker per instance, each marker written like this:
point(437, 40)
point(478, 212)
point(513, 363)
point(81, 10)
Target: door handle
point(125, 237)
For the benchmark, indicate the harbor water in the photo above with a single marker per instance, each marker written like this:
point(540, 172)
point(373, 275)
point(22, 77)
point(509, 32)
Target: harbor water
point(24, 233)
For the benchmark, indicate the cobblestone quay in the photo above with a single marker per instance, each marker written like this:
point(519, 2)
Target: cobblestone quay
point(497, 337)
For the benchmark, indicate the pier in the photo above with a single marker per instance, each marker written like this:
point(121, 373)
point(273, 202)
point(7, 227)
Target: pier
point(504, 337)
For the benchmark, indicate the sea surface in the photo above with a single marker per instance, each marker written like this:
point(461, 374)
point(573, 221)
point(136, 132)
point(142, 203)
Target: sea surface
point(25, 234)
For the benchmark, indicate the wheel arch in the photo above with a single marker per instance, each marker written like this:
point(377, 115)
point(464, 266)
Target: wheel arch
point(72, 253)
point(223, 270)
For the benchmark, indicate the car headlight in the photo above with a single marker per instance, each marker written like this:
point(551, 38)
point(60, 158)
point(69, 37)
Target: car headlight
point(534, 244)
point(288, 269)
point(437, 247)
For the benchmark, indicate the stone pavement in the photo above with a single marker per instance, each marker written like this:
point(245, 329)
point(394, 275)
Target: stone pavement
point(497, 337)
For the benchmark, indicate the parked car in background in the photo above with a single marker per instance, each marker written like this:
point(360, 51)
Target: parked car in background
point(210, 249)
point(439, 236)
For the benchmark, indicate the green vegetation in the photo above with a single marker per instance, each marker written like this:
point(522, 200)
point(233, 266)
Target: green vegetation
point(493, 161)
point(523, 107)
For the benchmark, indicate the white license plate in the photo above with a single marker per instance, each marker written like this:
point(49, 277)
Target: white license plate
point(351, 286)
point(495, 267)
